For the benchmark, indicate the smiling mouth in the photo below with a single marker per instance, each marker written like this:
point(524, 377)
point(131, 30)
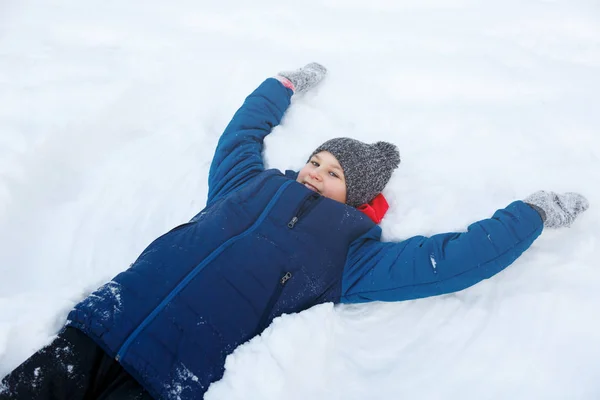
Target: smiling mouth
point(311, 187)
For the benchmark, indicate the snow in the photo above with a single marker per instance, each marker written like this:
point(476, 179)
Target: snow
point(184, 380)
point(110, 113)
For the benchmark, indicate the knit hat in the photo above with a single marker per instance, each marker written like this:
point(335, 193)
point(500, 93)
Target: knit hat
point(367, 167)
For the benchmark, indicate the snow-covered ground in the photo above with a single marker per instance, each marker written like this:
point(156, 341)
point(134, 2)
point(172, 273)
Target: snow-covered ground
point(110, 112)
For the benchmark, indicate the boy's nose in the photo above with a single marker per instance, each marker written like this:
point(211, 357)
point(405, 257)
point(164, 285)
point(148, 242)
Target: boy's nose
point(314, 175)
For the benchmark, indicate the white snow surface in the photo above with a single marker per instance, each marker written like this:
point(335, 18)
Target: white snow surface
point(110, 112)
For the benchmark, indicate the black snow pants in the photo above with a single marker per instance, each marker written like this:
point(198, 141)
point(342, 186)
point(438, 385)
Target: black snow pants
point(72, 367)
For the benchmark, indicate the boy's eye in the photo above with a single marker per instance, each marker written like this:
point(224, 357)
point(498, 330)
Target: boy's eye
point(316, 164)
point(333, 174)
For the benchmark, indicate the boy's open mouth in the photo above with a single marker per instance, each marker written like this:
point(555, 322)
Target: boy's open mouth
point(311, 187)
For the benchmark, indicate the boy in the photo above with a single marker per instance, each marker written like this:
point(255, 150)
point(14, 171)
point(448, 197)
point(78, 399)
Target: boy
point(266, 244)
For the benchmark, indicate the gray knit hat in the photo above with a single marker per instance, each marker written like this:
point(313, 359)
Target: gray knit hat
point(367, 167)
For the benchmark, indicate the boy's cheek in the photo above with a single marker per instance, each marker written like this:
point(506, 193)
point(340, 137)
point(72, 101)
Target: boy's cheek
point(301, 175)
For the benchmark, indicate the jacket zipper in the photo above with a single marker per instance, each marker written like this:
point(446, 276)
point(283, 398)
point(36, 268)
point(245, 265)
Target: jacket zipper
point(184, 282)
point(307, 204)
point(273, 299)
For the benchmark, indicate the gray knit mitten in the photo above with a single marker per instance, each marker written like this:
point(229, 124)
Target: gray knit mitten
point(306, 77)
point(557, 210)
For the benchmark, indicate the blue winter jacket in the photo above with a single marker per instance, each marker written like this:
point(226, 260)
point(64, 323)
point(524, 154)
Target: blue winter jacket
point(209, 285)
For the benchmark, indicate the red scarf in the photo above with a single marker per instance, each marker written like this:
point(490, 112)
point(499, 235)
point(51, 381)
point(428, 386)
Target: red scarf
point(376, 208)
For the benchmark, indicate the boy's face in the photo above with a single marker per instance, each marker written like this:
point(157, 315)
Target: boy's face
point(323, 174)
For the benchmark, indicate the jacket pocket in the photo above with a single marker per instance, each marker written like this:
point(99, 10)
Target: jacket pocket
point(272, 301)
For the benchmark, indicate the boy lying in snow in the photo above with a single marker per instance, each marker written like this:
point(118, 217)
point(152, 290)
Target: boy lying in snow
point(267, 243)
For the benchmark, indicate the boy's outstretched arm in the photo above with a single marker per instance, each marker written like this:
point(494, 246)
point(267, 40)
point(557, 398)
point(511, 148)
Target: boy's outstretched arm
point(422, 267)
point(238, 156)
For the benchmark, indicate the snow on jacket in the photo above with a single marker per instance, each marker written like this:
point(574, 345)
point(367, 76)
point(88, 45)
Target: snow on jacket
point(209, 285)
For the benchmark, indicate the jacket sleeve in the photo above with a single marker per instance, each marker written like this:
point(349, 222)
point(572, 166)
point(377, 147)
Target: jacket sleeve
point(238, 156)
point(445, 263)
